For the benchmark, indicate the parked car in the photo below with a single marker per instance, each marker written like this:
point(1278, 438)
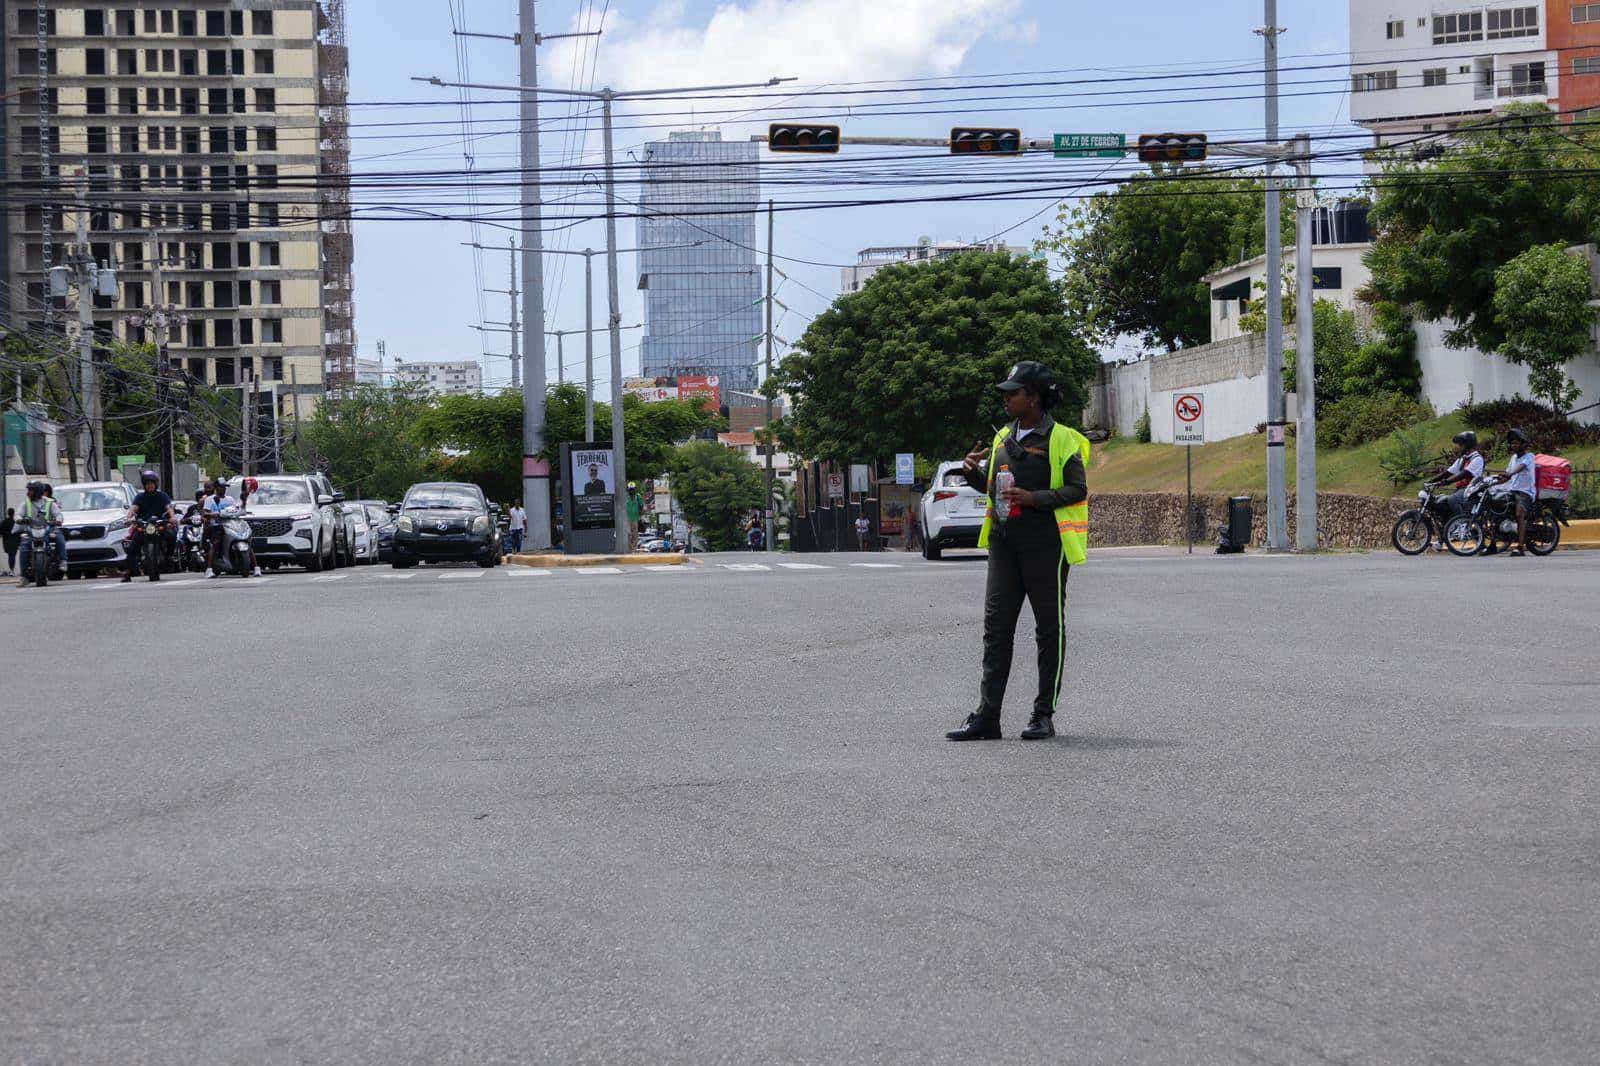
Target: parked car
point(443, 521)
point(951, 511)
point(94, 519)
point(364, 546)
point(294, 521)
point(381, 518)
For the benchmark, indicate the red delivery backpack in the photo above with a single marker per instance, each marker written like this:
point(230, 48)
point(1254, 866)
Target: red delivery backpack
point(1552, 477)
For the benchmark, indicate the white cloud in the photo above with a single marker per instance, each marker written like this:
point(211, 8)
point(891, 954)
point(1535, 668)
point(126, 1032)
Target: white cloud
point(817, 41)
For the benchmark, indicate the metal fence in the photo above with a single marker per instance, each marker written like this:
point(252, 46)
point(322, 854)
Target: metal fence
point(1584, 502)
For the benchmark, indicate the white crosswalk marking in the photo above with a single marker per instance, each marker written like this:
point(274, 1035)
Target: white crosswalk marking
point(527, 571)
point(331, 577)
point(877, 566)
point(744, 566)
point(804, 566)
point(599, 569)
point(398, 577)
point(251, 581)
point(669, 568)
point(459, 574)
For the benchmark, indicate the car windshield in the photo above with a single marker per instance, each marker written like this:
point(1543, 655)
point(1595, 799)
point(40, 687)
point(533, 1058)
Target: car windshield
point(359, 517)
point(440, 496)
point(91, 499)
point(376, 515)
point(273, 493)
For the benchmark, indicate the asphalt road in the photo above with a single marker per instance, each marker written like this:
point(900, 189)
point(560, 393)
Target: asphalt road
point(1309, 810)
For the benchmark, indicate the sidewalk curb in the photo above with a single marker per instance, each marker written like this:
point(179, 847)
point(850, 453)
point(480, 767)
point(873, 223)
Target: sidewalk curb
point(1581, 533)
point(645, 559)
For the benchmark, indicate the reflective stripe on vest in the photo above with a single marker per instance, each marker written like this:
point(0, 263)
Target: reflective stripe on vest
point(1072, 522)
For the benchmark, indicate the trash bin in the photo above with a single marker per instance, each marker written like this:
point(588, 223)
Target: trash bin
point(1239, 519)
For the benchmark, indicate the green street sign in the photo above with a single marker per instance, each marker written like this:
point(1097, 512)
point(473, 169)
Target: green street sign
point(1091, 145)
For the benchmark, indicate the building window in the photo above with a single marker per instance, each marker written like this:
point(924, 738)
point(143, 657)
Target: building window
point(270, 255)
point(1373, 81)
point(266, 100)
point(217, 63)
point(28, 21)
point(263, 60)
point(266, 139)
point(1454, 29)
point(272, 292)
point(1223, 307)
point(261, 23)
point(1513, 22)
point(1436, 76)
point(94, 23)
point(224, 328)
point(149, 20)
point(1395, 28)
point(1586, 12)
point(94, 61)
point(197, 334)
point(268, 214)
point(1586, 65)
point(272, 331)
point(247, 331)
point(216, 23)
point(95, 101)
point(1527, 79)
point(245, 296)
point(267, 175)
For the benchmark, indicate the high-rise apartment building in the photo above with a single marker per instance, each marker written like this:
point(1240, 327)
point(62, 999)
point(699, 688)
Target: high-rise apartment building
point(208, 135)
point(461, 378)
point(699, 267)
point(871, 260)
point(1424, 66)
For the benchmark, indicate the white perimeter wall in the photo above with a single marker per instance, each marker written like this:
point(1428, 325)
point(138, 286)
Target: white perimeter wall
point(1453, 375)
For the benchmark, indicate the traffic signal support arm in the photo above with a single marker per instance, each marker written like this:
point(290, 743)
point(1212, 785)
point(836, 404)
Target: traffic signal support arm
point(1285, 152)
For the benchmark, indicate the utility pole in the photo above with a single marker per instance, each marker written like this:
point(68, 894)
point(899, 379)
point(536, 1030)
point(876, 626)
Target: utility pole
point(588, 344)
point(619, 444)
point(767, 508)
point(88, 381)
point(294, 391)
point(1277, 489)
point(1305, 439)
point(161, 317)
point(246, 452)
point(535, 467)
point(516, 328)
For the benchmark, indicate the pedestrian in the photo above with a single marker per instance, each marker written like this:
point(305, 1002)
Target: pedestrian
point(913, 527)
point(635, 507)
point(863, 531)
point(518, 525)
point(1037, 526)
point(10, 539)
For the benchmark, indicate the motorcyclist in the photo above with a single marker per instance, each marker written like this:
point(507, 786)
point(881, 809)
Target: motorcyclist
point(1520, 476)
point(40, 505)
point(150, 505)
point(1464, 471)
point(214, 508)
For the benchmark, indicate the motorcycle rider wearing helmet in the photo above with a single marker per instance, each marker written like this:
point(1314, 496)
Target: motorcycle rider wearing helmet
point(41, 505)
point(150, 505)
point(213, 508)
point(1465, 471)
point(1520, 475)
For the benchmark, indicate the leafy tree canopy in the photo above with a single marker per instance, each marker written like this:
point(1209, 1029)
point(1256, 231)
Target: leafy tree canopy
point(716, 488)
point(1541, 306)
point(910, 362)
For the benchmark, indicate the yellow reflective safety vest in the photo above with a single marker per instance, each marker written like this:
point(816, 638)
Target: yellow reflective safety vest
point(1072, 521)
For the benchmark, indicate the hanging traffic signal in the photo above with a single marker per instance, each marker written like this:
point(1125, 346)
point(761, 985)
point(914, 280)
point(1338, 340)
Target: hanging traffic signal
point(791, 137)
point(1172, 147)
point(965, 141)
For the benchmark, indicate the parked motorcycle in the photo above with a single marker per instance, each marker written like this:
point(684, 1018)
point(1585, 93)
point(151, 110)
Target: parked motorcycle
point(1491, 522)
point(1421, 526)
point(43, 558)
point(233, 552)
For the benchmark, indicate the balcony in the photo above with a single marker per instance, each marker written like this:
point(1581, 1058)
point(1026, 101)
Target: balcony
point(1522, 88)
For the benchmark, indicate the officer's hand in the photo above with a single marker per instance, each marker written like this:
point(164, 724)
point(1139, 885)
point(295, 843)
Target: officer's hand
point(1015, 497)
point(975, 458)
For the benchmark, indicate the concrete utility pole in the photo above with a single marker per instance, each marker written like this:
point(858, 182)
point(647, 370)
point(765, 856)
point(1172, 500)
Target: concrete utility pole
point(1277, 490)
point(88, 380)
point(619, 444)
point(516, 358)
point(768, 508)
point(535, 468)
point(246, 452)
point(588, 344)
point(1305, 440)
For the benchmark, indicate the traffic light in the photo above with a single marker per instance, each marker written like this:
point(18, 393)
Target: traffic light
point(965, 141)
point(1172, 147)
point(791, 137)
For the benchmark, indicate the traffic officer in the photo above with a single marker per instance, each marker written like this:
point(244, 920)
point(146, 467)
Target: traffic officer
point(1037, 526)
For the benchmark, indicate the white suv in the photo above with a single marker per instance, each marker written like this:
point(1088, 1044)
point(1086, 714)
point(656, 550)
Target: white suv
point(94, 518)
point(294, 519)
point(951, 511)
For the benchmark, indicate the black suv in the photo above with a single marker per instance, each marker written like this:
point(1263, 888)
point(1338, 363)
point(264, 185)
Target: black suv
point(445, 521)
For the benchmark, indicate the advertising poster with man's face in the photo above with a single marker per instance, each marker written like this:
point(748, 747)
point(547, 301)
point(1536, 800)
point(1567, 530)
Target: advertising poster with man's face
point(593, 489)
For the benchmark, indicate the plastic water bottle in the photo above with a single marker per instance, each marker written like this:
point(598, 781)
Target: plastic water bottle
point(1004, 480)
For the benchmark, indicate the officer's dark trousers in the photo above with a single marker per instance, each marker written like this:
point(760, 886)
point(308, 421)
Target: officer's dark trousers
point(1036, 569)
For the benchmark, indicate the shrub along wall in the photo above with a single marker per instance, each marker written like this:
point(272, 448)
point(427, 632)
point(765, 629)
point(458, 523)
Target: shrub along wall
point(1344, 520)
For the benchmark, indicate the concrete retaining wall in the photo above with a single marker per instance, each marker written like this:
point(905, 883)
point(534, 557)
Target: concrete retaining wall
point(1344, 521)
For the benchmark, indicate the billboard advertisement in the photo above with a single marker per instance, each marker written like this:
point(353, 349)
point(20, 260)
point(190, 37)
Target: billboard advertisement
point(652, 393)
point(593, 482)
point(707, 386)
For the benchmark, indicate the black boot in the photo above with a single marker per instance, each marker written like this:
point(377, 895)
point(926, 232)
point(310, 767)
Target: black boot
point(1040, 727)
point(977, 727)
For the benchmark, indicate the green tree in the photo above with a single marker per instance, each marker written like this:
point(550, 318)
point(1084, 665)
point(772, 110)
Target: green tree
point(716, 488)
point(1135, 256)
point(476, 438)
point(909, 363)
point(366, 442)
point(1335, 331)
point(1541, 307)
point(1446, 226)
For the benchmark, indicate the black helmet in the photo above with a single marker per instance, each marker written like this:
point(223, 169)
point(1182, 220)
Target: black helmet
point(149, 475)
point(35, 489)
point(1466, 438)
point(1517, 435)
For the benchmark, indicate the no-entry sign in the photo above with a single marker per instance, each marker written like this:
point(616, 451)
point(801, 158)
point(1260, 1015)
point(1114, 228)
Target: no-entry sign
point(1189, 418)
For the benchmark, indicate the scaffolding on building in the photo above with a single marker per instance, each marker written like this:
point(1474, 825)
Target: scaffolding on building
point(338, 244)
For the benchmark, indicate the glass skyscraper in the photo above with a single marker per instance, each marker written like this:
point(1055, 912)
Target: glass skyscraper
point(703, 312)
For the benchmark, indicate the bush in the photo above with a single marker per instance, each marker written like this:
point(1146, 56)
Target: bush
point(1357, 420)
point(1407, 457)
point(1549, 429)
point(1389, 362)
point(1141, 428)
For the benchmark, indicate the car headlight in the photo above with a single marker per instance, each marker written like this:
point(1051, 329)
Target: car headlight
point(301, 517)
point(121, 523)
point(404, 525)
point(480, 524)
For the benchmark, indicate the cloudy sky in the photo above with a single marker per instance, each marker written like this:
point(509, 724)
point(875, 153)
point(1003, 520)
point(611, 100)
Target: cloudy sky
point(1086, 68)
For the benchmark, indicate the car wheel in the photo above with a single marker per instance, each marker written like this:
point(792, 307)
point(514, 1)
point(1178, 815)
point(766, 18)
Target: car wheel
point(314, 564)
point(929, 552)
point(402, 564)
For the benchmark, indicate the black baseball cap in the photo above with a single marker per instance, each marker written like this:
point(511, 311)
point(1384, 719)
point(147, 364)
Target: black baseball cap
point(1028, 375)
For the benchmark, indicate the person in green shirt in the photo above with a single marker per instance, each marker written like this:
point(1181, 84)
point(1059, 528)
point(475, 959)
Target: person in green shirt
point(634, 505)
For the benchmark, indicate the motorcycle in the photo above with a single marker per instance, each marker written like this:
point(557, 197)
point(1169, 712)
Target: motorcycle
point(1421, 526)
point(43, 557)
point(1491, 521)
point(152, 557)
point(192, 544)
point(233, 553)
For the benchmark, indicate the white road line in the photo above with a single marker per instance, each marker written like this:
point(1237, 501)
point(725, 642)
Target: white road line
point(186, 581)
point(804, 566)
point(528, 571)
point(397, 577)
point(461, 574)
point(669, 568)
point(878, 566)
point(93, 586)
point(744, 566)
point(331, 577)
point(598, 569)
point(251, 581)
